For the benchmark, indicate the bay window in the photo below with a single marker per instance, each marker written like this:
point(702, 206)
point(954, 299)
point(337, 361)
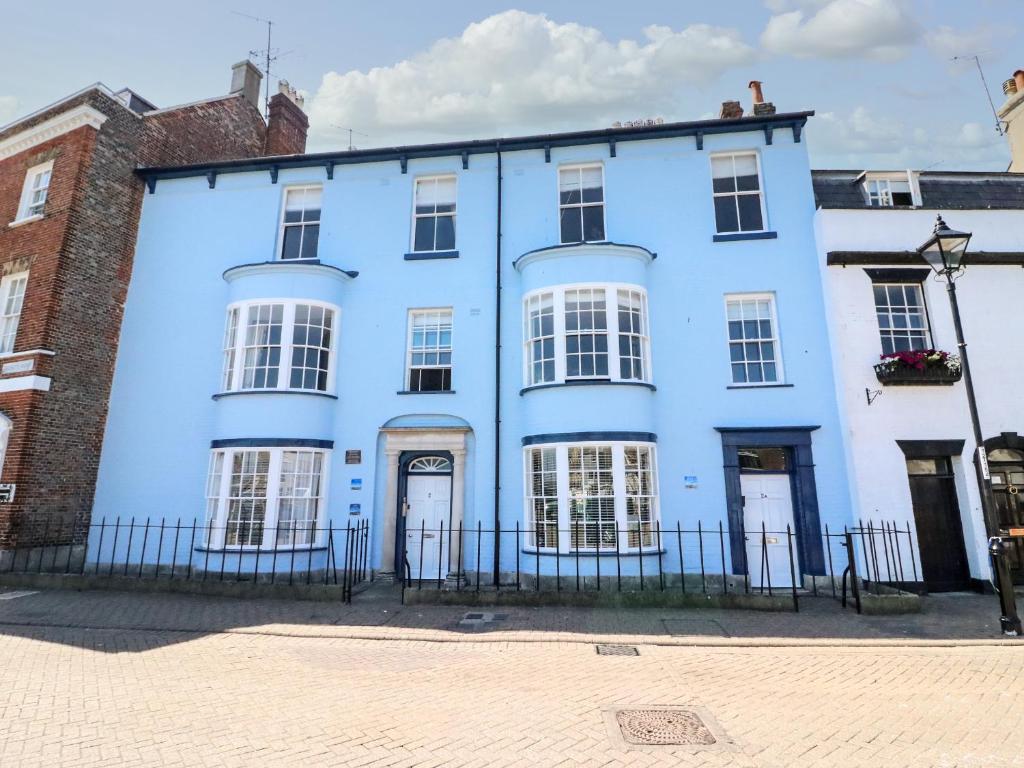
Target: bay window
point(590, 332)
point(279, 345)
point(265, 498)
point(591, 497)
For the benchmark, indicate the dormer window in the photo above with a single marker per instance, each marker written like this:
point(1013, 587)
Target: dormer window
point(887, 192)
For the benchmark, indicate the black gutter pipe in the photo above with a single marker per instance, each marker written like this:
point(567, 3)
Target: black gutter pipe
point(497, 381)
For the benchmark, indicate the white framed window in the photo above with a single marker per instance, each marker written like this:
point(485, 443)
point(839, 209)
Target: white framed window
point(280, 345)
point(581, 203)
point(429, 351)
point(12, 299)
point(753, 339)
point(586, 332)
point(433, 217)
point(34, 191)
point(266, 497)
point(736, 188)
point(882, 192)
point(5, 437)
point(300, 222)
point(902, 317)
point(539, 333)
point(591, 497)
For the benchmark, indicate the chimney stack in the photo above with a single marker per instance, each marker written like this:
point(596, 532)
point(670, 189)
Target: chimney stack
point(730, 110)
point(245, 79)
point(761, 107)
point(1012, 115)
point(287, 124)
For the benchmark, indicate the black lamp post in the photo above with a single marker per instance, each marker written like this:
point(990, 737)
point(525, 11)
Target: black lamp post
point(944, 253)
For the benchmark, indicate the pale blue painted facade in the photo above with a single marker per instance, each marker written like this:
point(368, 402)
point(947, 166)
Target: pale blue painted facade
point(658, 197)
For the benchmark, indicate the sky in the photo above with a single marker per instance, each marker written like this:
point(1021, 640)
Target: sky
point(880, 74)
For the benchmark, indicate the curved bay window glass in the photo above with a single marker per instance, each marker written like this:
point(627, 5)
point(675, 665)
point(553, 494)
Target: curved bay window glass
point(591, 332)
point(265, 498)
point(591, 497)
point(275, 345)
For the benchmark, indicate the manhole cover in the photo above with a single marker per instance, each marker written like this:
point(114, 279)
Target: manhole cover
point(663, 727)
point(617, 650)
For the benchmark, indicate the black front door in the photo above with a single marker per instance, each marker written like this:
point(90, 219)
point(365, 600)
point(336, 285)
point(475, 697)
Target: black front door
point(940, 535)
point(1007, 470)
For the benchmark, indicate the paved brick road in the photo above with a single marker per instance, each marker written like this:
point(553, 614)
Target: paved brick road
point(76, 696)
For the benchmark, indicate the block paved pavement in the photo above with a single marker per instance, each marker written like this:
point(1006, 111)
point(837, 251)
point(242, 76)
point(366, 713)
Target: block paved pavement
point(105, 679)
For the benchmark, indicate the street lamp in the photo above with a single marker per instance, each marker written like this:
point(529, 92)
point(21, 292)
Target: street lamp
point(945, 252)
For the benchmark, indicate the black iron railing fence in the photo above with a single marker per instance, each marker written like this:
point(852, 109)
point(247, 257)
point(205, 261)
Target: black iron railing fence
point(594, 557)
point(585, 557)
point(197, 551)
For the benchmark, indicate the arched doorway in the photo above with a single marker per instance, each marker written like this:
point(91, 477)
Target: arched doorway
point(1006, 467)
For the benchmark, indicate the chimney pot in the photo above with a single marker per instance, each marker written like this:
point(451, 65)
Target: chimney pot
point(1018, 78)
point(755, 88)
point(1009, 87)
point(245, 79)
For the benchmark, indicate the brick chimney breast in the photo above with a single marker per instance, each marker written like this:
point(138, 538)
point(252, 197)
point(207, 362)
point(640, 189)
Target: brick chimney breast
point(287, 124)
point(730, 110)
point(245, 79)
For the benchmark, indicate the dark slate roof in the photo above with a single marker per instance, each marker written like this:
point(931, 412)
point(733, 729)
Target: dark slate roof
point(939, 190)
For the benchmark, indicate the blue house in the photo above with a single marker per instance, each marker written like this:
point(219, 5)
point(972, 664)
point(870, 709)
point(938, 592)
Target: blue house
point(594, 343)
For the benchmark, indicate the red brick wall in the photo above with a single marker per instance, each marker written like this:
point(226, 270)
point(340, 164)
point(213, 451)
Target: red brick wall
point(79, 259)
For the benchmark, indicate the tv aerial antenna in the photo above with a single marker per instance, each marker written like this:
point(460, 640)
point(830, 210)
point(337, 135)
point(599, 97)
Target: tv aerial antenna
point(351, 132)
point(984, 84)
point(269, 55)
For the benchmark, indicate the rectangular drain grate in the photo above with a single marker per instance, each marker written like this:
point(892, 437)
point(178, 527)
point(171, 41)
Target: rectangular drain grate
point(617, 650)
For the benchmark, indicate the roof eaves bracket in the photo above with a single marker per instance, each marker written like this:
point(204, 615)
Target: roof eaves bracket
point(768, 135)
point(547, 153)
point(330, 170)
point(151, 184)
point(273, 173)
point(611, 147)
point(797, 130)
point(699, 136)
point(211, 178)
point(404, 162)
point(465, 160)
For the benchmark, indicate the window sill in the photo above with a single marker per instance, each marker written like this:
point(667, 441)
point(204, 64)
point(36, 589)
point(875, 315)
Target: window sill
point(757, 386)
point(26, 220)
point(427, 392)
point(572, 554)
point(589, 382)
point(260, 550)
point(732, 236)
point(428, 255)
point(307, 392)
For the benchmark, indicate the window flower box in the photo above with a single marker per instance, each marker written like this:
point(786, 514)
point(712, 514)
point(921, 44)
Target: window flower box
point(919, 367)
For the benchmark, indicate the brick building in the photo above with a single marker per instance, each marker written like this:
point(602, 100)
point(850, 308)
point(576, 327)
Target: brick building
point(69, 208)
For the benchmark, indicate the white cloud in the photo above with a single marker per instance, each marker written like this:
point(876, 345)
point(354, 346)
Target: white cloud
point(877, 29)
point(519, 72)
point(8, 109)
point(954, 41)
point(861, 139)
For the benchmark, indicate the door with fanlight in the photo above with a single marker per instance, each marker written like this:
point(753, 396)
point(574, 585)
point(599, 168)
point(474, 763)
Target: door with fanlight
point(428, 500)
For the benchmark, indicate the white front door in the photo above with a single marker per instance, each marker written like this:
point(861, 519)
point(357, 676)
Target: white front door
point(767, 510)
point(426, 525)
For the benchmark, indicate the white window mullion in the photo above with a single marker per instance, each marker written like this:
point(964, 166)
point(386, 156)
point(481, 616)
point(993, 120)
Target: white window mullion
point(273, 491)
point(611, 305)
point(559, 307)
point(619, 486)
point(220, 521)
point(284, 376)
point(562, 464)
